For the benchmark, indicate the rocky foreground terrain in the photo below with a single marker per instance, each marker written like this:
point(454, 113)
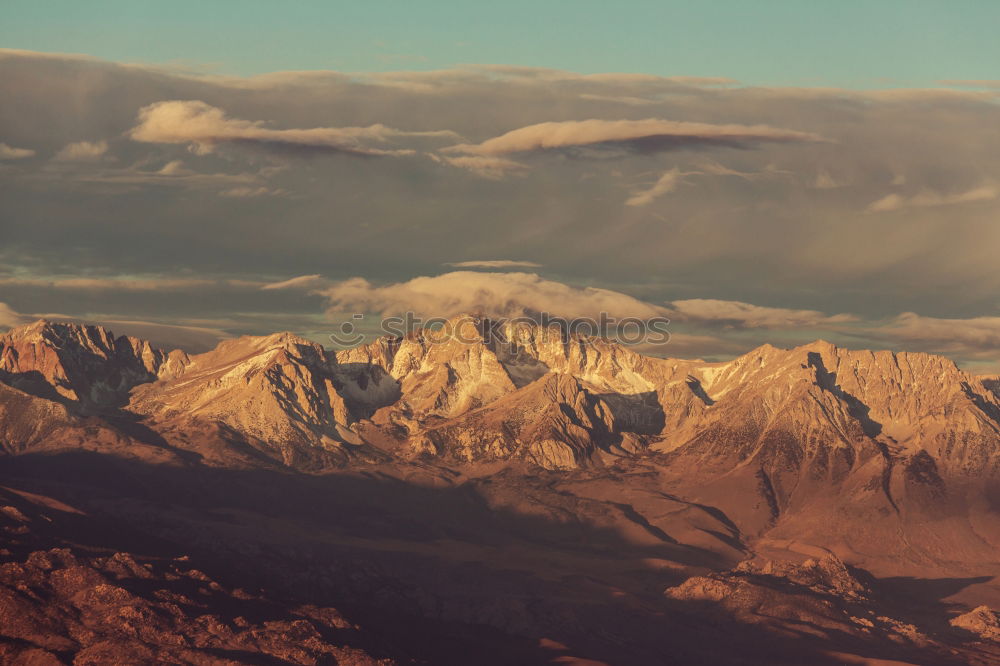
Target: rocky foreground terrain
point(492, 493)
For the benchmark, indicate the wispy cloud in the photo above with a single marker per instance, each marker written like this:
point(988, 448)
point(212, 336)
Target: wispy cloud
point(926, 198)
point(300, 282)
point(204, 126)
point(666, 183)
point(119, 284)
point(716, 169)
point(164, 336)
point(494, 168)
point(11, 153)
point(736, 314)
point(245, 192)
point(172, 174)
point(494, 263)
point(825, 181)
point(11, 318)
point(82, 151)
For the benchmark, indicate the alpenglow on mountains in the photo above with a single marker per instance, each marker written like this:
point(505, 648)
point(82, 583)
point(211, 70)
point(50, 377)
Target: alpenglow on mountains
point(548, 484)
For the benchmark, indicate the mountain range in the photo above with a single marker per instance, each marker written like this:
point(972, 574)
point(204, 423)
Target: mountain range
point(494, 491)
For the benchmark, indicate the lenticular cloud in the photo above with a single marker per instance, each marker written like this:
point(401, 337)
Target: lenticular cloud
point(643, 136)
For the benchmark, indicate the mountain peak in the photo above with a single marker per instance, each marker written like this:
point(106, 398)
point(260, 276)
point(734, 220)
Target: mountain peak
point(819, 345)
point(246, 345)
point(54, 332)
point(80, 363)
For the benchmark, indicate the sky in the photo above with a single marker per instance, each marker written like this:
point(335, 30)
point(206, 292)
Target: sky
point(755, 172)
point(852, 43)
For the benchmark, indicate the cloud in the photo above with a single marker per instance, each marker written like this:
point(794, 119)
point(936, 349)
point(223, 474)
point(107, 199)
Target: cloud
point(301, 282)
point(192, 339)
point(492, 294)
point(975, 337)
point(250, 192)
point(825, 181)
point(449, 80)
point(10, 318)
point(971, 83)
point(928, 198)
point(716, 169)
point(651, 135)
point(204, 126)
point(11, 153)
point(666, 183)
point(669, 181)
point(736, 314)
point(494, 263)
point(174, 168)
point(689, 346)
point(618, 99)
point(82, 151)
point(494, 168)
point(172, 174)
point(113, 284)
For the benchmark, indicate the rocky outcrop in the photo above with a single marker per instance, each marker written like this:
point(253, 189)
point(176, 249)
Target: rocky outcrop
point(982, 621)
point(820, 597)
point(114, 609)
point(61, 604)
point(554, 422)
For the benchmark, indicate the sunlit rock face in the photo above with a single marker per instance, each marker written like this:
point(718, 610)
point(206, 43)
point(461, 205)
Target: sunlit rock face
point(82, 364)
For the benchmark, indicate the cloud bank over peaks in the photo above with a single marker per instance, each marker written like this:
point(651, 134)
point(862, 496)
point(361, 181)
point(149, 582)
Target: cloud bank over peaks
point(492, 294)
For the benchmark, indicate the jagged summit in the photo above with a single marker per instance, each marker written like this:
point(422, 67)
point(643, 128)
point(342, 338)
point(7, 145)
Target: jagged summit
point(81, 363)
point(45, 331)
